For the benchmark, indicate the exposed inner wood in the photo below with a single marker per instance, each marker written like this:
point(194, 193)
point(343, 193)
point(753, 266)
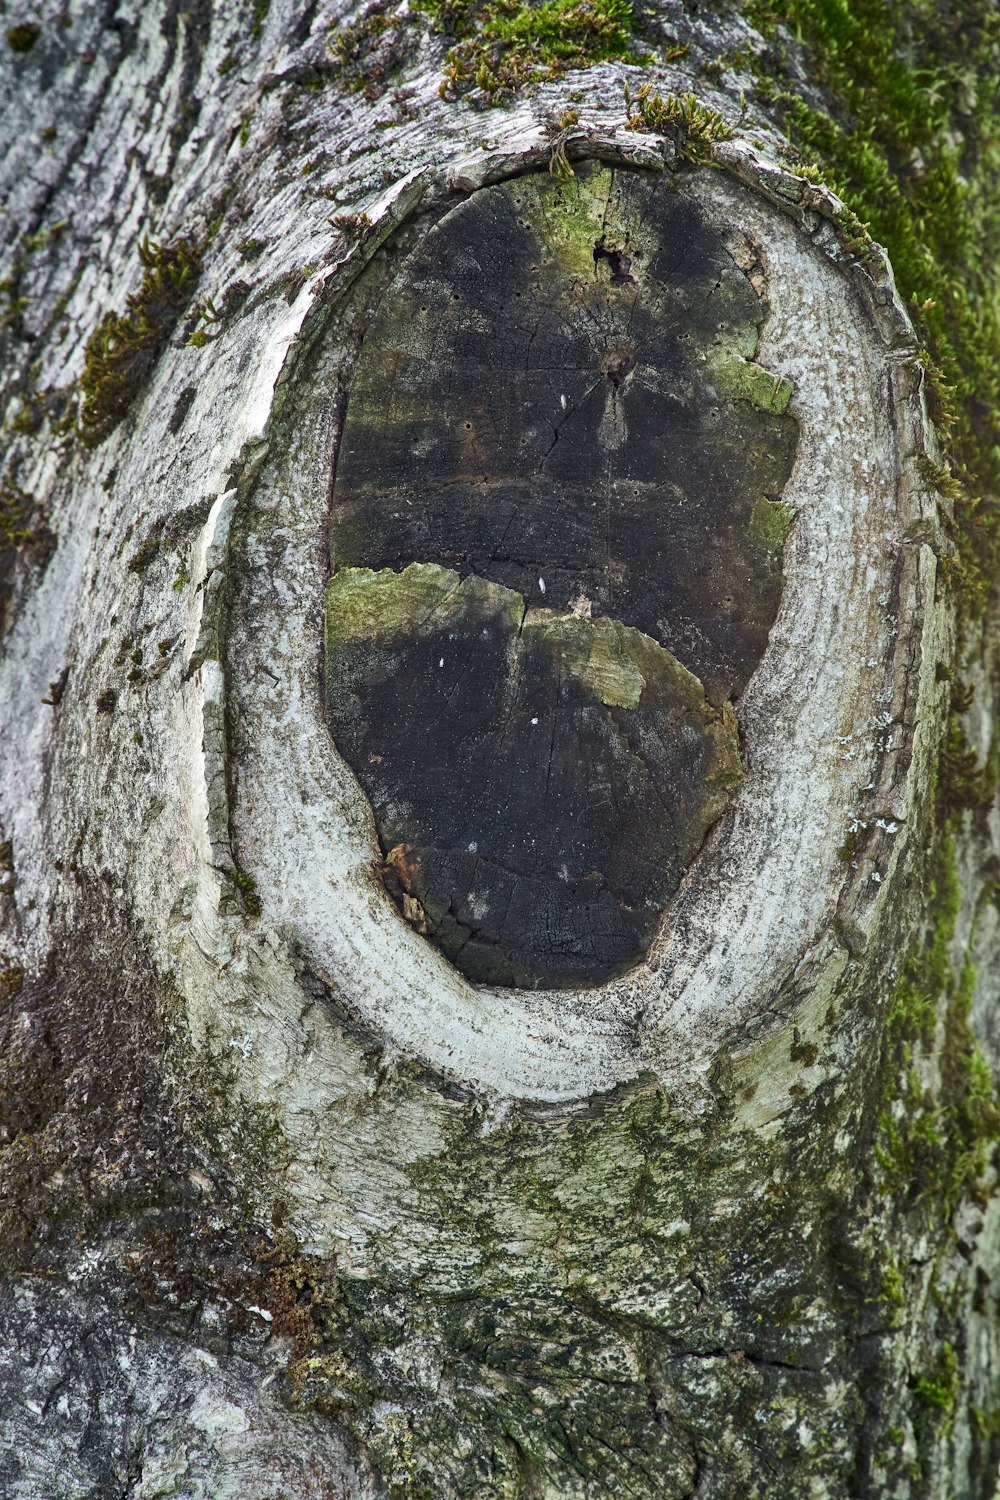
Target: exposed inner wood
point(539, 780)
point(557, 409)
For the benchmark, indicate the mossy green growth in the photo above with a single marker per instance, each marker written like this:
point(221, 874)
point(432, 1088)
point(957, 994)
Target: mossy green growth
point(247, 887)
point(22, 38)
point(963, 780)
point(502, 45)
point(772, 520)
point(752, 382)
point(372, 49)
point(258, 15)
point(124, 347)
point(251, 249)
point(892, 1288)
point(614, 662)
point(598, 653)
point(693, 127)
point(909, 140)
point(937, 1126)
point(572, 220)
point(939, 1389)
point(21, 522)
point(618, 664)
point(362, 604)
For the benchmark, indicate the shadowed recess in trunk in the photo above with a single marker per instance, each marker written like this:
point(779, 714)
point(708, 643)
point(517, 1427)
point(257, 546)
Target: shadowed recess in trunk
point(556, 549)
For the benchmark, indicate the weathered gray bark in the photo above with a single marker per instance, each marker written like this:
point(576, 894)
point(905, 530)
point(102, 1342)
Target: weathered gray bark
point(287, 1205)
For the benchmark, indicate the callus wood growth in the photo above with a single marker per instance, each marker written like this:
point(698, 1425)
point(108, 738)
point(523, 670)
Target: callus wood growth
point(556, 400)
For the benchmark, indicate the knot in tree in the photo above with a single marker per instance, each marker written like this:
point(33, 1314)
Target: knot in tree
point(556, 539)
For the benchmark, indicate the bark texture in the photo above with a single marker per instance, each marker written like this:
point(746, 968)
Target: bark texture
point(701, 1204)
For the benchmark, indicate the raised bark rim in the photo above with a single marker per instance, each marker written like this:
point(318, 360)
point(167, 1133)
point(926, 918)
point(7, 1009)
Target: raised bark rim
point(617, 1032)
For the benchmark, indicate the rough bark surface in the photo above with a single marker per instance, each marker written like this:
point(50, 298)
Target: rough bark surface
point(291, 1203)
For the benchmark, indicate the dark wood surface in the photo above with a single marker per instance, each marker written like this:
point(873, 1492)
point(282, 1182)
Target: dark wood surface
point(556, 406)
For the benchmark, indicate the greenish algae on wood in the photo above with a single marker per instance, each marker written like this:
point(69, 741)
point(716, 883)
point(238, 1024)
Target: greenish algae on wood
point(603, 323)
point(539, 780)
point(540, 1371)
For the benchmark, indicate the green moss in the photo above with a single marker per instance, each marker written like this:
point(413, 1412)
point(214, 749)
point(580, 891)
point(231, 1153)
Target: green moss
point(11, 979)
point(371, 50)
point(13, 301)
point(22, 38)
point(251, 249)
point(124, 347)
point(353, 225)
point(215, 317)
point(690, 125)
point(802, 1051)
point(41, 238)
point(258, 15)
point(247, 888)
point(941, 477)
point(502, 45)
point(893, 1286)
point(964, 782)
point(22, 525)
point(939, 1389)
point(937, 1124)
point(144, 554)
point(909, 139)
point(847, 851)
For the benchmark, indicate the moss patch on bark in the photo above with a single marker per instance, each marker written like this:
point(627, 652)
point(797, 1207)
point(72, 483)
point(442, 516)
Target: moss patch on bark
point(501, 46)
point(124, 347)
point(901, 118)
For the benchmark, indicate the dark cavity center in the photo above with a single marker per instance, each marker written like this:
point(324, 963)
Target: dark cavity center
point(556, 559)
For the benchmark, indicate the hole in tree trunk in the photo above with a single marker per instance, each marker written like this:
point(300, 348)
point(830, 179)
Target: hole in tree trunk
point(557, 558)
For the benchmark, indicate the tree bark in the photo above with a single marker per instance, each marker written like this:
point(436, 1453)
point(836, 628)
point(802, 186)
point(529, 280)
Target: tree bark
point(311, 1183)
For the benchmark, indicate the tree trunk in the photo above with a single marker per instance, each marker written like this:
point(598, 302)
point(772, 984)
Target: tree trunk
point(497, 803)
